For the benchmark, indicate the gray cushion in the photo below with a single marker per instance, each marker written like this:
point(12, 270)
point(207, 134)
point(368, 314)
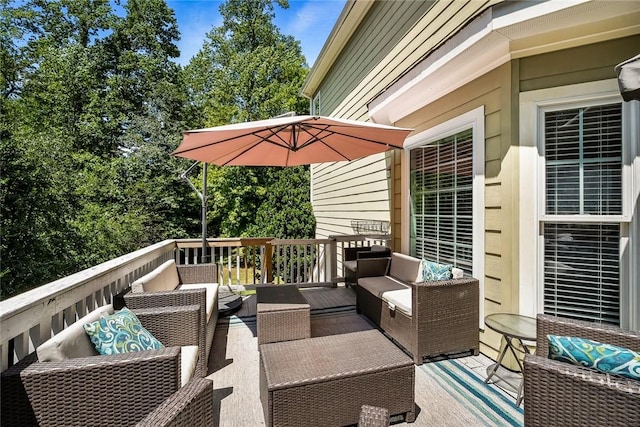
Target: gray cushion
point(163, 278)
point(379, 284)
point(211, 294)
point(405, 267)
point(73, 341)
point(350, 265)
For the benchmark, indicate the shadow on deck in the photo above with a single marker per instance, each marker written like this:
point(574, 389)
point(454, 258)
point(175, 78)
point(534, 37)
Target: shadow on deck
point(448, 393)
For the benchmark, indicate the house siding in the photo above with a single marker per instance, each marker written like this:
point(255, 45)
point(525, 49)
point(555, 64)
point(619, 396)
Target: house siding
point(391, 39)
point(384, 26)
point(577, 65)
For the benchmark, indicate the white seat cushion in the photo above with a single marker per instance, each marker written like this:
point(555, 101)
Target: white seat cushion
point(189, 360)
point(210, 298)
point(399, 300)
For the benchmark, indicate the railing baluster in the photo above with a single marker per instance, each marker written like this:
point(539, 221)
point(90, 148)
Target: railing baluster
point(47, 310)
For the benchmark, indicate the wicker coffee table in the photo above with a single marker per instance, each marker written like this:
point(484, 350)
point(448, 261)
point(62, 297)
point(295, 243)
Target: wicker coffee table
point(283, 314)
point(324, 381)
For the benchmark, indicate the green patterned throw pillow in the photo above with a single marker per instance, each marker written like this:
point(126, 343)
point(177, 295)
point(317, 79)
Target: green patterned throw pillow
point(433, 271)
point(120, 332)
point(605, 358)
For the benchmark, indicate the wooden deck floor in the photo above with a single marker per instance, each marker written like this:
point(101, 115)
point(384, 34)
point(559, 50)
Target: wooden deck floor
point(234, 363)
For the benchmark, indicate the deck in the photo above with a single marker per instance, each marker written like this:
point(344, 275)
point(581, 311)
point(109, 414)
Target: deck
point(445, 396)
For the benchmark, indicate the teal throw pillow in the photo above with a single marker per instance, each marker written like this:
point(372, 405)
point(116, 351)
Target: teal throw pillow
point(433, 271)
point(120, 332)
point(605, 358)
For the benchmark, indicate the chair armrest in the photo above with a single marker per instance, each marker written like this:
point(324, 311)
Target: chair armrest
point(102, 390)
point(455, 302)
point(198, 273)
point(178, 297)
point(172, 326)
point(192, 405)
point(351, 254)
point(371, 267)
point(575, 396)
point(604, 333)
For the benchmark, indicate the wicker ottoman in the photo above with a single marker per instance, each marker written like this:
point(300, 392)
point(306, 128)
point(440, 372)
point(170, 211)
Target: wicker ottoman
point(283, 314)
point(324, 381)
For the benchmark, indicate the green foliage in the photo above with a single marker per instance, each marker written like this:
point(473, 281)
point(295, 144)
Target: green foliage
point(92, 105)
point(286, 211)
point(247, 70)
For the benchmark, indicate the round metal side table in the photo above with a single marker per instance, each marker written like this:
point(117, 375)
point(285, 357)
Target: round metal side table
point(515, 329)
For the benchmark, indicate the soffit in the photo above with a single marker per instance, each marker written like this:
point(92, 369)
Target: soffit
point(498, 36)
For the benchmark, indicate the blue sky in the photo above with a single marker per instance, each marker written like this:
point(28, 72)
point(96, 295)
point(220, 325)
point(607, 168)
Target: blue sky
point(309, 21)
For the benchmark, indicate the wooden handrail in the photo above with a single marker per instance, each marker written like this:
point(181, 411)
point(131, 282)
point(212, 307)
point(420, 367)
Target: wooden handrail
point(32, 317)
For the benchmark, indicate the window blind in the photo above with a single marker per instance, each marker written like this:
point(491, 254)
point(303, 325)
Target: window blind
point(583, 168)
point(583, 153)
point(442, 200)
point(582, 271)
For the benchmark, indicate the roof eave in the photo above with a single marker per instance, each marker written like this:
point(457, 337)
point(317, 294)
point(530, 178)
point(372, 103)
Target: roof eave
point(349, 20)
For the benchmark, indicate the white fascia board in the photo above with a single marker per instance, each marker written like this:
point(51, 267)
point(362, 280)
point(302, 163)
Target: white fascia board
point(486, 49)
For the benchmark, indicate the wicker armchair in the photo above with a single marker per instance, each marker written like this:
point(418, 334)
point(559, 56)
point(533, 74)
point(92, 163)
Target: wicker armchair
point(119, 389)
point(559, 393)
point(188, 275)
point(443, 317)
point(350, 258)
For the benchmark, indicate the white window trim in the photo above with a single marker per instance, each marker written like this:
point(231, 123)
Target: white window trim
point(474, 120)
point(316, 101)
point(531, 199)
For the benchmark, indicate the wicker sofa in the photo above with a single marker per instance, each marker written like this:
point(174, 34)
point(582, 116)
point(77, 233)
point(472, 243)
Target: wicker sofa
point(560, 393)
point(179, 285)
point(66, 382)
point(426, 318)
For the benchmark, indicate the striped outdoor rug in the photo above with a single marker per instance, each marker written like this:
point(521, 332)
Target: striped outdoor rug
point(449, 393)
point(489, 405)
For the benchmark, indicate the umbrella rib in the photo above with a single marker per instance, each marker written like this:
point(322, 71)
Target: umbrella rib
point(349, 136)
point(231, 138)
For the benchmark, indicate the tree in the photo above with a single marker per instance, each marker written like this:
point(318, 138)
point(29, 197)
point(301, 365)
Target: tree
point(92, 105)
point(247, 70)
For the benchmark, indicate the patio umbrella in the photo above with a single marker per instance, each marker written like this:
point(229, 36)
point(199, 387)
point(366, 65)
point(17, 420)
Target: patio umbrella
point(629, 78)
point(289, 141)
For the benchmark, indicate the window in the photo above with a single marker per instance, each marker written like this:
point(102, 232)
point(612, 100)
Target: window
point(315, 105)
point(583, 176)
point(579, 159)
point(442, 201)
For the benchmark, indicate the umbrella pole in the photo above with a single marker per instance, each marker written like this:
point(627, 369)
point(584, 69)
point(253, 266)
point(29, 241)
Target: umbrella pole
point(203, 258)
point(203, 198)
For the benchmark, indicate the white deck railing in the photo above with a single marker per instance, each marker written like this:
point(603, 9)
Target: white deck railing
point(32, 317)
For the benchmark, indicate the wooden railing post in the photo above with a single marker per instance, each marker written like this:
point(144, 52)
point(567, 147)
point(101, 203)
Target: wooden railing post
point(332, 262)
point(268, 261)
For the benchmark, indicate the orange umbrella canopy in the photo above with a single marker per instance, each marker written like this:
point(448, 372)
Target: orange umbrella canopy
point(289, 141)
